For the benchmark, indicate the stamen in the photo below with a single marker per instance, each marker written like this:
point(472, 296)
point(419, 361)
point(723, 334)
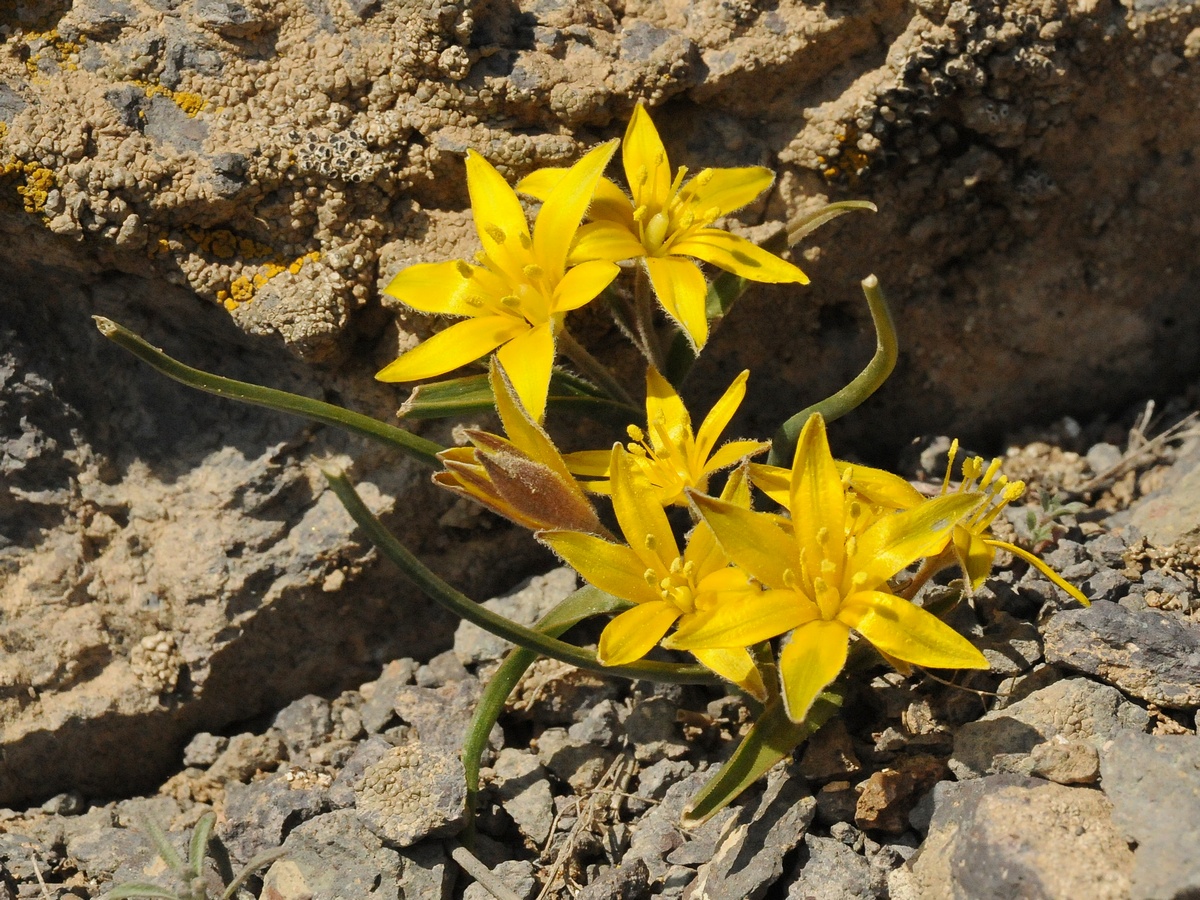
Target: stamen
point(680, 174)
point(635, 433)
point(533, 271)
point(858, 579)
point(642, 176)
point(651, 543)
point(640, 213)
point(676, 566)
point(822, 535)
point(463, 269)
point(990, 473)
point(496, 233)
point(703, 177)
point(473, 302)
point(651, 577)
point(789, 580)
point(953, 452)
point(511, 301)
point(526, 243)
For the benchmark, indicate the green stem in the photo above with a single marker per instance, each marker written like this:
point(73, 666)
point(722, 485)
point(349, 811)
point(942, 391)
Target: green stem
point(418, 448)
point(584, 603)
point(858, 390)
point(465, 608)
point(592, 368)
point(643, 307)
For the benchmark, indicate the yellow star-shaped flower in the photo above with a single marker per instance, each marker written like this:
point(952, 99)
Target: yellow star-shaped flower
point(668, 224)
point(668, 453)
point(518, 294)
point(826, 577)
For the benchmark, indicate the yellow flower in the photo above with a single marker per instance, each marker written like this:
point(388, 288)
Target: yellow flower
point(667, 224)
point(668, 454)
point(826, 577)
point(664, 585)
point(971, 543)
point(523, 477)
point(522, 288)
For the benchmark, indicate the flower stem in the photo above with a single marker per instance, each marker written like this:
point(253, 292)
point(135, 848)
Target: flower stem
point(644, 309)
point(852, 395)
point(466, 608)
point(592, 368)
point(405, 441)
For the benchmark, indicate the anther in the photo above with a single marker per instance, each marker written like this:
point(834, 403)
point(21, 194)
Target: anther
point(533, 271)
point(651, 543)
point(635, 433)
point(496, 233)
point(463, 269)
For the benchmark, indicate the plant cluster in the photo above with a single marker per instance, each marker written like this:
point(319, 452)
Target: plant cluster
point(782, 579)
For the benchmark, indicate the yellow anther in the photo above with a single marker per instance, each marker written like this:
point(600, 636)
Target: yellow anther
point(851, 545)
point(858, 579)
point(789, 579)
point(651, 543)
point(950, 456)
point(533, 271)
point(511, 301)
point(703, 177)
point(496, 233)
point(847, 476)
point(689, 570)
point(676, 566)
point(990, 473)
point(526, 243)
point(1013, 491)
point(637, 450)
point(635, 433)
point(642, 176)
point(473, 302)
point(711, 214)
point(822, 535)
point(651, 578)
point(640, 213)
point(481, 257)
point(463, 269)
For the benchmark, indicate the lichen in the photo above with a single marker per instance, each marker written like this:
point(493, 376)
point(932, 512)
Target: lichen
point(192, 104)
point(243, 288)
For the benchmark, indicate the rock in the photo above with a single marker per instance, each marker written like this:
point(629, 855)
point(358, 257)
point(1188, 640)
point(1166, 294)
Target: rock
point(657, 833)
point(889, 795)
point(602, 724)
point(259, 816)
point(1151, 655)
point(441, 715)
point(1170, 515)
point(520, 782)
point(443, 668)
point(204, 749)
point(652, 728)
point(1010, 836)
point(366, 754)
point(514, 874)
point(413, 792)
point(527, 603)
point(749, 857)
point(333, 855)
point(836, 802)
point(1074, 708)
point(1153, 782)
point(1065, 761)
point(304, 723)
point(379, 706)
point(827, 869)
point(580, 764)
point(629, 882)
point(829, 754)
point(247, 754)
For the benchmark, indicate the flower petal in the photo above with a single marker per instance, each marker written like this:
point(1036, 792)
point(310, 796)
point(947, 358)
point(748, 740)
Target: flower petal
point(735, 665)
point(499, 217)
point(611, 567)
point(726, 189)
point(589, 463)
point(733, 453)
point(666, 416)
point(975, 555)
point(742, 620)
point(647, 169)
point(774, 481)
point(528, 359)
point(814, 656)
point(718, 417)
point(896, 540)
point(881, 487)
point(818, 499)
point(633, 633)
point(608, 205)
point(606, 240)
point(640, 515)
point(681, 289)
point(907, 632)
point(750, 539)
point(582, 284)
point(461, 343)
point(1043, 568)
point(435, 288)
point(563, 209)
point(737, 255)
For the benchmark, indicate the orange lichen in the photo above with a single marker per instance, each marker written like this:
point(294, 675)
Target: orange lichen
point(243, 288)
point(39, 181)
point(850, 162)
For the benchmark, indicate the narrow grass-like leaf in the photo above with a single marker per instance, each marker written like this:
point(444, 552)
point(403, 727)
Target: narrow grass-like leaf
point(199, 845)
point(472, 394)
point(800, 228)
point(418, 448)
point(140, 889)
point(261, 861)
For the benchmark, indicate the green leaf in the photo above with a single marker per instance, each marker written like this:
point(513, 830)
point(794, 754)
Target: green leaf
point(140, 889)
point(164, 848)
point(772, 738)
point(802, 227)
point(473, 393)
point(261, 861)
point(723, 292)
point(199, 846)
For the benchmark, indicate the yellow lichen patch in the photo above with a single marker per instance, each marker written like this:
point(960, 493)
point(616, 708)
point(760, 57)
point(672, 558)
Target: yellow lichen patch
point(39, 181)
point(850, 162)
point(224, 244)
point(243, 288)
point(191, 104)
point(67, 51)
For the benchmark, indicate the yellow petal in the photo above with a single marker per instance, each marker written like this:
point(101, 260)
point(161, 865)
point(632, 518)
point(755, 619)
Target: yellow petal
point(1043, 568)
point(774, 481)
point(732, 453)
point(718, 417)
point(540, 182)
point(681, 289)
point(633, 633)
point(818, 499)
point(647, 169)
point(611, 567)
point(528, 360)
point(612, 241)
point(461, 343)
point(563, 209)
point(975, 555)
point(735, 665)
point(896, 540)
point(435, 288)
point(581, 285)
point(734, 254)
point(726, 189)
point(499, 217)
point(743, 620)
point(750, 539)
point(907, 632)
point(814, 656)
point(665, 409)
point(641, 516)
point(881, 487)
point(608, 205)
point(589, 463)
point(520, 427)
